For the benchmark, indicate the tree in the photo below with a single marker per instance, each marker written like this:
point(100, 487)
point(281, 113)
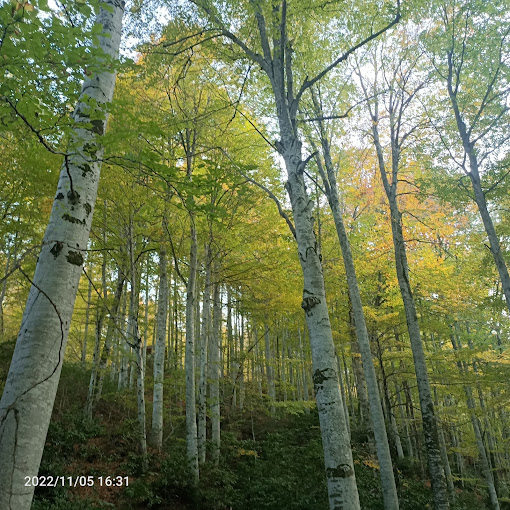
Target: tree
point(470, 53)
point(276, 62)
point(29, 392)
point(328, 179)
point(403, 84)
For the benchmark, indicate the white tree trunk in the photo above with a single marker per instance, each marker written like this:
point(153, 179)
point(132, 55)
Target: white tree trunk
point(29, 393)
point(189, 362)
point(95, 362)
point(86, 333)
point(388, 485)
point(206, 326)
point(214, 368)
point(136, 341)
point(159, 354)
point(113, 324)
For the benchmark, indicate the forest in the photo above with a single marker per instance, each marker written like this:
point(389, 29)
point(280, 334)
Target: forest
point(254, 254)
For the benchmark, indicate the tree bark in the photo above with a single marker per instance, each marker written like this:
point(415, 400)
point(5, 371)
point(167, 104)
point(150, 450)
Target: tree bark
point(206, 327)
point(388, 485)
point(214, 367)
point(111, 332)
point(159, 354)
point(29, 393)
point(430, 428)
point(189, 362)
point(474, 176)
point(269, 369)
point(86, 333)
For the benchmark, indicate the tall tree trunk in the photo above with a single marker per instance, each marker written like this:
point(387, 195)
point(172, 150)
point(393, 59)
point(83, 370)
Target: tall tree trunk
point(189, 362)
point(136, 341)
point(342, 489)
point(86, 333)
point(100, 313)
point(4, 290)
point(359, 378)
point(474, 176)
point(29, 393)
point(206, 328)
point(269, 369)
point(430, 427)
point(111, 332)
point(102, 308)
point(121, 343)
point(159, 354)
point(146, 321)
point(475, 422)
point(242, 365)
point(214, 367)
point(388, 485)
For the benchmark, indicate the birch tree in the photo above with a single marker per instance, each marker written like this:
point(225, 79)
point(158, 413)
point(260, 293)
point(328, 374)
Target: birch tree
point(478, 103)
point(328, 178)
point(276, 61)
point(159, 352)
point(403, 86)
point(29, 393)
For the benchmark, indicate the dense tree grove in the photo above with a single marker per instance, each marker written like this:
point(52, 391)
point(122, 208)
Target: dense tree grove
point(269, 216)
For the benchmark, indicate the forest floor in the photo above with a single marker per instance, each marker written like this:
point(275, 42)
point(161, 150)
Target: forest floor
point(267, 463)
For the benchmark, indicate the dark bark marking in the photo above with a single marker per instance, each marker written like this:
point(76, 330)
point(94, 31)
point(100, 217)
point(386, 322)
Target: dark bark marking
point(72, 219)
point(85, 169)
point(88, 208)
point(73, 197)
point(309, 302)
point(60, 196)
point(75, 258)
point(319, 376)
point(57, 248)
point(90, 149)
point(341, 471)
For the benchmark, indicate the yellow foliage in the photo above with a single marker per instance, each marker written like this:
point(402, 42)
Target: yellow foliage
point(247, 453)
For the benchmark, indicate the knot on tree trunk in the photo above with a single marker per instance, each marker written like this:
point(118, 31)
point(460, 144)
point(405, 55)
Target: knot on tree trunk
point(309, 302)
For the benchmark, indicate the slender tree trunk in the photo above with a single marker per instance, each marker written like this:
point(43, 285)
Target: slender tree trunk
point(214, 367)
point(388, 485)
point(347, 383)
point(29, 393)
point(242, 364)
point(206, 327)
point(284, 375)
point(159, 354)
point(359, 379)
point(403, 418)
point(121, 345)
point(344, 399)
point(430, 427)
point(2, 295)
point(86, 333)
point(111, 332)
point(446, 464)
point(191, 414)
point(479, 194)
point(475, 422)
point(146, 321)
point(269, 369)
point(136, 340)
point(342, 489)
point(100, 313)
